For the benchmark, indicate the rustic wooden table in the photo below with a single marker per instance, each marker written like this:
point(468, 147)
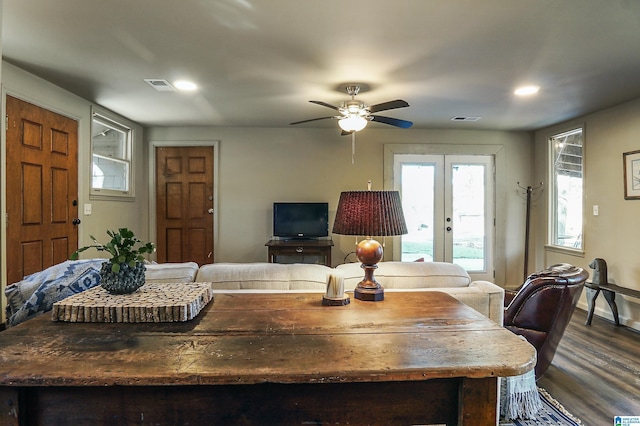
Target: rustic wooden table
point(415, 358)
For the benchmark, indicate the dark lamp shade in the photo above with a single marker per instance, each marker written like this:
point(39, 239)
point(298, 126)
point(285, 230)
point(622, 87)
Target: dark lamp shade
point(369, 214)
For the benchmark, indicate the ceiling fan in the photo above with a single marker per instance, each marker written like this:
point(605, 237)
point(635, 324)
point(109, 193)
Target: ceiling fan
point(354, 115)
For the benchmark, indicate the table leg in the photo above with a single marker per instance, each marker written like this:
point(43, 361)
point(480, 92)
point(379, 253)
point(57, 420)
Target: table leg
point(9, 406)
point(610, 296)
point(478, 402)
point(592, 295)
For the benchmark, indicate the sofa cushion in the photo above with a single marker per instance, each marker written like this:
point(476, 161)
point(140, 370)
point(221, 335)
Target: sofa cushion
point(408, 275)
point(264, 276)
point(171, 272)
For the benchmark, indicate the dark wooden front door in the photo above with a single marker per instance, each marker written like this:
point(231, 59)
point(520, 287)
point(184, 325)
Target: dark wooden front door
point(42, 188)
point(184, 204)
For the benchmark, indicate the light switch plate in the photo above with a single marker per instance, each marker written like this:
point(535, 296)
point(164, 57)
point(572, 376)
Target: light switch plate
point(87, 209)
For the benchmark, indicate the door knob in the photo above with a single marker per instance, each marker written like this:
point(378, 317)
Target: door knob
point(210, 211)
point(76, 221)
point(448, 229)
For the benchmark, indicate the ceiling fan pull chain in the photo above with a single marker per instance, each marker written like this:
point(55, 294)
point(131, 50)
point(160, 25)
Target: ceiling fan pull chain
point(353, 147)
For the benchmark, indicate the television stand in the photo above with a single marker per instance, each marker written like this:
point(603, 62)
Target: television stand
point(300, 251)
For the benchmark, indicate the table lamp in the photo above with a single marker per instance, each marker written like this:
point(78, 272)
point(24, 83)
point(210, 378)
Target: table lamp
point(369, 213)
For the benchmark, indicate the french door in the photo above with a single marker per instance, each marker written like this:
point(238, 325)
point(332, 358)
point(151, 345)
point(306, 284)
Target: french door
point(448, 203)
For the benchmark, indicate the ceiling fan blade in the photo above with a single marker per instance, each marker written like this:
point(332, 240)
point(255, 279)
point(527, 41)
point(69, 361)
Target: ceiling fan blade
point(325, 104)
point(392, 121)
point(312, 119)
point(398, 103)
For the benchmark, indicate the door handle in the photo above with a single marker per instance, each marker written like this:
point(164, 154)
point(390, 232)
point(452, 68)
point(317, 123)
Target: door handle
point(448, 229)
point(76, 221)
point(210, 211)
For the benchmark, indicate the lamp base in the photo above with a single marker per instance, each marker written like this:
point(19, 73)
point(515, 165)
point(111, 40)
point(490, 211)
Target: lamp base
point(369, 295)
point(369, 290)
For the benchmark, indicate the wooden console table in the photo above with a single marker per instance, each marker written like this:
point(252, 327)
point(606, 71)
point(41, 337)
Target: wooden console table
point(609, 292)
point(300, 251)
point(415, 358)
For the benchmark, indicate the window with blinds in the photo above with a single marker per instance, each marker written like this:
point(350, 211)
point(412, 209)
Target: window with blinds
point(566, 200)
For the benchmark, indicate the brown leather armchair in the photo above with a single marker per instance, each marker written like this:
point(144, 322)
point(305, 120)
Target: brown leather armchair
point(541, 308)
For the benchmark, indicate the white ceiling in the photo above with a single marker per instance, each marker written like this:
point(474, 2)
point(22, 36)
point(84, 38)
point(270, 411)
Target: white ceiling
point(259, 62)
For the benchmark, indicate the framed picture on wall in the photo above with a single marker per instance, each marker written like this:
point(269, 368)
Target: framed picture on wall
point(631, 163)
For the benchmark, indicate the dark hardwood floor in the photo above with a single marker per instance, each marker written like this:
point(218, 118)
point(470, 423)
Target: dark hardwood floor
point(595, 373)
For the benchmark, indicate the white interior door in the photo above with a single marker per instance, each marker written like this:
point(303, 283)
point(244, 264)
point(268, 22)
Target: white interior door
point(448, 202)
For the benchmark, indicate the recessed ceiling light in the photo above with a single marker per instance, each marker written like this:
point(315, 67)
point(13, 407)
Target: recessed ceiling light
point(527, 90)
point(185, 85)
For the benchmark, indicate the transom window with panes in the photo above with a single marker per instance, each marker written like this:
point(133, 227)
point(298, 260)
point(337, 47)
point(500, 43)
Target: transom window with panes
point(566, 194)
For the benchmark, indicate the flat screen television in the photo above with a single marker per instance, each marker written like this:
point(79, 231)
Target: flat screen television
point(300, 220)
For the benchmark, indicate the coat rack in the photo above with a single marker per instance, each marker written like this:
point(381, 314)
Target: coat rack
point(529, 190)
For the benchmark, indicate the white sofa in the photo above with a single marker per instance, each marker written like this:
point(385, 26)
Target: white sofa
point(483, 296)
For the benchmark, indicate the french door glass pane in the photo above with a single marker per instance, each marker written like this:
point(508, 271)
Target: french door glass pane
point(468, 218)
point(418, 186)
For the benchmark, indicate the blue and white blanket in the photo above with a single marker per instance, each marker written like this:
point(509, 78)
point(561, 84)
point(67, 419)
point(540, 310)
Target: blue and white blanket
point(37, 293)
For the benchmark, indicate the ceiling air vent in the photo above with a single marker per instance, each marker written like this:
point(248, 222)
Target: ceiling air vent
point(160, 85)
point(463, 118)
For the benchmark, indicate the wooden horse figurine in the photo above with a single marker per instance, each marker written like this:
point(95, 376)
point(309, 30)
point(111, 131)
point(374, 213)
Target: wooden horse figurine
point(599, 278)
point(599, 267)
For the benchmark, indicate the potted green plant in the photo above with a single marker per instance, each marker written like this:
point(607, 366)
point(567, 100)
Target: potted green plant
point(123, 272)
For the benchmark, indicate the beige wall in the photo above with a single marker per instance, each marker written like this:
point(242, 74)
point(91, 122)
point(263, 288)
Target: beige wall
point(614, 234)
point(258, 166)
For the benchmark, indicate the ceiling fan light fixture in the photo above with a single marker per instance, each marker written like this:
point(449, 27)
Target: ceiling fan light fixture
point(353, 107)
point(352, 123)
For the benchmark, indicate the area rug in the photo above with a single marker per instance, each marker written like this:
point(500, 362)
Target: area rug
point(552, 413)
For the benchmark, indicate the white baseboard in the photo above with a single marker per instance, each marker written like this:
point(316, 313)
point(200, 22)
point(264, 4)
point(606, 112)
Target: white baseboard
point(605, 312)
